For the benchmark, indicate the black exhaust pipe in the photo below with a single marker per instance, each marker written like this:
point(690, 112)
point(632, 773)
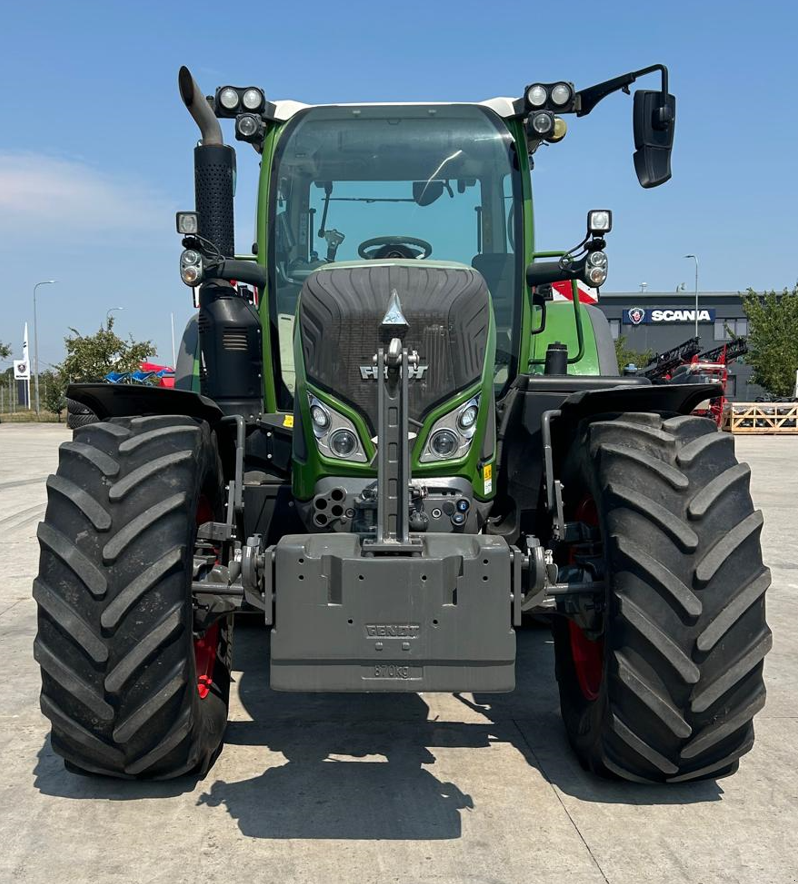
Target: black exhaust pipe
point(229, 327)
point(214, 169)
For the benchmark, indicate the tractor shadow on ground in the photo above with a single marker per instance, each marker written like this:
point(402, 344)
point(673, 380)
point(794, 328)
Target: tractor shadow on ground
point(362, 766)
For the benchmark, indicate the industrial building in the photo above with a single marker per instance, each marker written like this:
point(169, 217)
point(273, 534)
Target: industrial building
point(660, 320)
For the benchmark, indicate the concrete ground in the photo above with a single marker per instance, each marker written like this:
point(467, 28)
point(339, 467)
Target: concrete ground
point(432, 788)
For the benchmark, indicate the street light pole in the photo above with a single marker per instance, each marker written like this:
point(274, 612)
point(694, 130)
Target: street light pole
point(109, 312)
point(36, 339)
point(696, 291)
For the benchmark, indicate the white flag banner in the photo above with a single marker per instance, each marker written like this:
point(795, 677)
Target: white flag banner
point(21, 370)
point(25, 357)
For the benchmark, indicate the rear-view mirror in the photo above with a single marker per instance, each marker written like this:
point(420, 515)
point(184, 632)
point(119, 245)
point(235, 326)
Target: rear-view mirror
point(426, 192)
point(654, 119)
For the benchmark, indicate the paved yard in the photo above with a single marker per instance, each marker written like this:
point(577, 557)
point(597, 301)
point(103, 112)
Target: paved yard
point(431, 788)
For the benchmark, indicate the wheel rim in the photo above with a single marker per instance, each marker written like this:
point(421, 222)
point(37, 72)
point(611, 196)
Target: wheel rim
point(588, 659)
point(205, 659)
point(587, 655)
point(206, 646)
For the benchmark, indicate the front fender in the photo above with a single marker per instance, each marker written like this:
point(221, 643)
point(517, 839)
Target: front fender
point(673, 398)
point(131, 400)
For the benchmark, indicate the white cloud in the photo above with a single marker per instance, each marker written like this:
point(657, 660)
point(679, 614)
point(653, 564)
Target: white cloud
point(41, 193)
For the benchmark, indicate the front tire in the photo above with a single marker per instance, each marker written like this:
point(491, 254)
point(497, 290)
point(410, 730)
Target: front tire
point(120, 679)
point(678, 668)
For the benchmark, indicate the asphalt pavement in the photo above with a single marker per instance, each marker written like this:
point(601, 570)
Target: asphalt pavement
point(372, 788)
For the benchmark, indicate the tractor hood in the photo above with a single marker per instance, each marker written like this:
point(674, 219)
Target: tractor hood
point(446, 307)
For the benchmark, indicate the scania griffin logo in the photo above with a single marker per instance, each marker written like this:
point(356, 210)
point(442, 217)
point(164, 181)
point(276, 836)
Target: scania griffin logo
point(637, 315)
point(369, 372)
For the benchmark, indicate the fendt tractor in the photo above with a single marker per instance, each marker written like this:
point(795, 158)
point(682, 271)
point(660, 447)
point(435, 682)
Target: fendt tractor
point(391, 441)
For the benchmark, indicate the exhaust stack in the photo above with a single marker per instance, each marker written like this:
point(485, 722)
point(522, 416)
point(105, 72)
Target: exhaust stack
point(229, 327)
point(214, 169)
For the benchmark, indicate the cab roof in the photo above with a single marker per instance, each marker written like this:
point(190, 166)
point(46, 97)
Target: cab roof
point(284, 109)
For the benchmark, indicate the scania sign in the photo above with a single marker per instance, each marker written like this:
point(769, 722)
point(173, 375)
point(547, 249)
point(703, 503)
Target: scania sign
point(649, 315)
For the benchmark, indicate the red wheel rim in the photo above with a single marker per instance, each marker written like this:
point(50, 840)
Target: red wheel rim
point(206, 646)
point(588, 658)
point(205, 659)
point(587, 655)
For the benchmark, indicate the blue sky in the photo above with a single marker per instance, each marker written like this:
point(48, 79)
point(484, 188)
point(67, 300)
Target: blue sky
point(95, 146)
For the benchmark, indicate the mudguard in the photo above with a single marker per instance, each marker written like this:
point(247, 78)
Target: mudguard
point(122, 400)
point(674, 398)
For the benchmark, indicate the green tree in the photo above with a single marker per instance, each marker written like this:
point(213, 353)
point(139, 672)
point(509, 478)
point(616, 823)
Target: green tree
point(773, 339)
point(91, 357)
point(52, 391)
point(5, 350)
point(626, 354)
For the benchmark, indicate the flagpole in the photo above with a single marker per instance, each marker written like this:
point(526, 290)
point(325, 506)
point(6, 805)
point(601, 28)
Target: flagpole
point(26, 357)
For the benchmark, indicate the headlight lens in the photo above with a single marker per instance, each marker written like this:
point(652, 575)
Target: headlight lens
point(190, 256)
point(467, 417)
point(191, 275)
point(596, 276)
point(537, 95)
point(228, 98)
point(247, 125)
point(191, 270)
point(451, 435)
point(599, 221)
point(561, 94)
point(343, 443)
point(542, 123)
point(444, 443)
point(187, 223)
point(597, 259)
point(336, 435)
point(320, 417)
point(252, 99)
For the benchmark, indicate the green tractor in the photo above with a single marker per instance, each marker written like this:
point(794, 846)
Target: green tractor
point(394, 448)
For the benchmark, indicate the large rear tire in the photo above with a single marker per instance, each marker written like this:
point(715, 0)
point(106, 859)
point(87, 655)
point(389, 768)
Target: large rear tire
point(668, 692)
point(130, 690)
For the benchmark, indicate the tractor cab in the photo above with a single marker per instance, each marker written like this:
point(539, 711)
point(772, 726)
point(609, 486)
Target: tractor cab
point(424, 183)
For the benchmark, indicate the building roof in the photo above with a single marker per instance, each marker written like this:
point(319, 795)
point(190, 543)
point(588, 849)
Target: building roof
point(655, 297)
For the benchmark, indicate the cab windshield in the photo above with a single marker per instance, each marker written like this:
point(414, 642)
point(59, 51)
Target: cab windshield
point(424, 182)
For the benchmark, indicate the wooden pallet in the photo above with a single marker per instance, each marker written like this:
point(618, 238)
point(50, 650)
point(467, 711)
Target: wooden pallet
point(762, 418)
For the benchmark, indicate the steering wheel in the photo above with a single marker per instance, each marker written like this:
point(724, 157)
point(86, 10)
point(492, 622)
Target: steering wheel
point(394, 247)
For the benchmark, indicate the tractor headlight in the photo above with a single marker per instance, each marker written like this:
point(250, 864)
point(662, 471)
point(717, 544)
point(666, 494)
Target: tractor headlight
point(444, 443)
point(228, 98)
point(542, 124)
point(561, 94)
point(452, 434)
point(187, 223)
point(191, 269)
point(253, 99)
point(596, 269)
point(343, 443)
point(336, 435)
point(320, 417)
point(467, 417)
point(599, 221)
point(537, 95)
point(248, 127)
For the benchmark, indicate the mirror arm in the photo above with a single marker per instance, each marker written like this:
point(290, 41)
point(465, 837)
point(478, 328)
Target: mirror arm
point(588, 98)
point(241, 271)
